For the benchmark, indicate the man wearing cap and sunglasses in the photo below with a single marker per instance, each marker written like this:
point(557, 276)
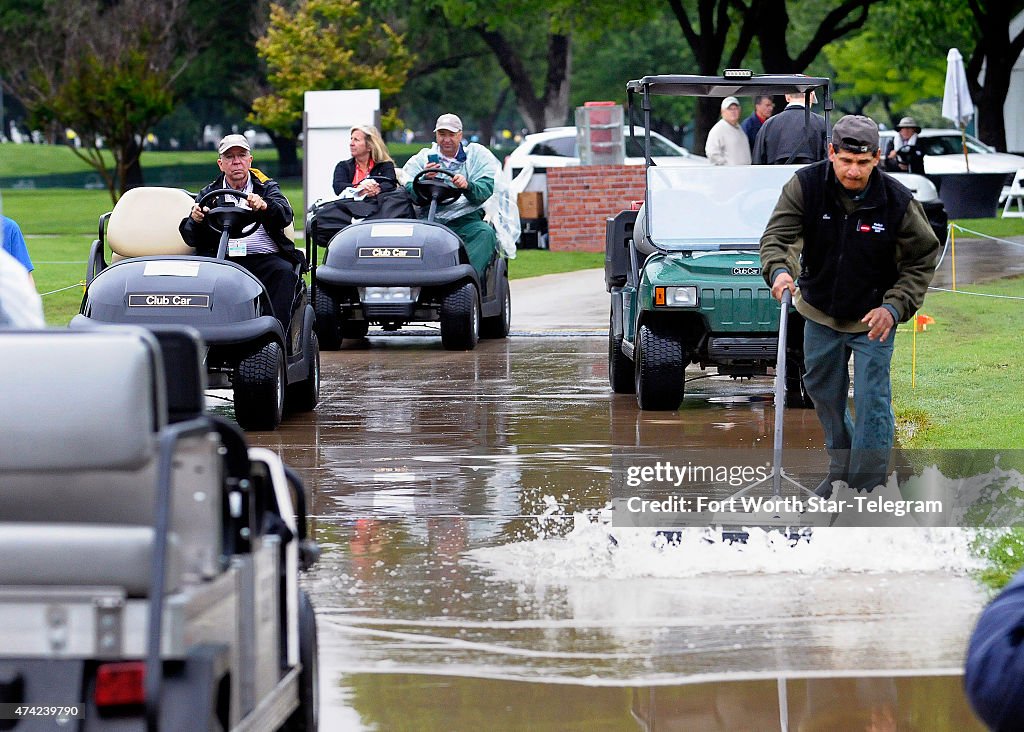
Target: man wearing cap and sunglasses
point(475, 169)
point(727, 144)
point(268, 252)
point(857, 253)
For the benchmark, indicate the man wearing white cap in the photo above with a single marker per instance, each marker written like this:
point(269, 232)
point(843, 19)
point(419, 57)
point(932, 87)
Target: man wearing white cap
point(727, 144)
point(267, 252)
point(474, 170)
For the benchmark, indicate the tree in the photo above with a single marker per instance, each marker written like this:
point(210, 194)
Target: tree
point(708, 40)
point(864, 73)
point(725, 29)
point(321, 45)
point(997, 52)
point(647, 48)
point(914, 36)
point(532, 43)
point(775, 31)
point(105, 70)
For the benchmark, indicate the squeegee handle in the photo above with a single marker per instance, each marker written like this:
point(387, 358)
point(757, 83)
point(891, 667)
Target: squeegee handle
point(780, 392)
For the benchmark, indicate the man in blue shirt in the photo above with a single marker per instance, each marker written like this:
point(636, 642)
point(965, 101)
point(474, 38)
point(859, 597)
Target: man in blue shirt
point(14, 244)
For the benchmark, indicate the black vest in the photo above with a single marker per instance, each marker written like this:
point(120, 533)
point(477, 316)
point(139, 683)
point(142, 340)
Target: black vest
point(849, 260)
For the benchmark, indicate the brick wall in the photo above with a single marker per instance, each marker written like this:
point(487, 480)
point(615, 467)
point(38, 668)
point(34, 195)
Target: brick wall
point(580, 198)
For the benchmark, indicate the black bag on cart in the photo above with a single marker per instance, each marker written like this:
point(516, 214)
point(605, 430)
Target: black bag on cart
point(331, 217)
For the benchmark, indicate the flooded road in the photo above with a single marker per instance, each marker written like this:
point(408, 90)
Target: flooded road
point(466, 583)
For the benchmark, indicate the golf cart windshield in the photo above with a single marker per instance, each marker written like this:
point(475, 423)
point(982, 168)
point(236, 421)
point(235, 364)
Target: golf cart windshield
point(713, 207)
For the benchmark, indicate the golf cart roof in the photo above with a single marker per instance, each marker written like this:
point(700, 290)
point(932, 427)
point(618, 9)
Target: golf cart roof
point(725, 86)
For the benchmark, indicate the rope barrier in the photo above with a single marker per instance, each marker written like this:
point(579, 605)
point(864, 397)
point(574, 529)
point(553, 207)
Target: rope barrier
point(80, 283)
point(985, 236)
point(976, 294)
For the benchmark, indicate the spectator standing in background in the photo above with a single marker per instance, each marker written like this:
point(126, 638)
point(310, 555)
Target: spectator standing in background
point(726, 143)
point(787, 138)
point(763, 108)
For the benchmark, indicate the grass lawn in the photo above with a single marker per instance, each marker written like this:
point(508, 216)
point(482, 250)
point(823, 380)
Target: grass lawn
point(534, 262)
point(968, 387)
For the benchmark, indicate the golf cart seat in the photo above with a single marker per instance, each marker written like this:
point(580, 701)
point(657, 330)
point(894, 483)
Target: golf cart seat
point(80, 466)
point(643, 246)
point(145, 222)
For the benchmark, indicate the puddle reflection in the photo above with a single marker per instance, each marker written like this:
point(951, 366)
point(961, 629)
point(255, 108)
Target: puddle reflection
point(854, 704)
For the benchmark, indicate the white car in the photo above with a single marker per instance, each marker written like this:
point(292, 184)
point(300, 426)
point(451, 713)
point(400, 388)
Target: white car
point(556, 147)
point(943, 153)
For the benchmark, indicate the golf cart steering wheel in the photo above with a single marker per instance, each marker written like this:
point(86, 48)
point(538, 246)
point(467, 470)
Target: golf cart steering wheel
point(234, 220)
point(435, 183)
point(904, 155)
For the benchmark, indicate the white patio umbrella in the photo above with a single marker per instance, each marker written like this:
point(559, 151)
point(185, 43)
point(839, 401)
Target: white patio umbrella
point(956, 97)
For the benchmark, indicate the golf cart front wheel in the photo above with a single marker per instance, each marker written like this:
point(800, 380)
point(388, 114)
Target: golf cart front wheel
point(621, 374)
point(796, 392)
point(259, 388)
point(460, 318)
point(306, 716)
point(499, 325)
point(326, 309)
point(659, 370)
point(304, 395)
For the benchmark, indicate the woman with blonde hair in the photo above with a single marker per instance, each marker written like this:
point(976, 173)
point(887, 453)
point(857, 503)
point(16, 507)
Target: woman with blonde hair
point(369, 158)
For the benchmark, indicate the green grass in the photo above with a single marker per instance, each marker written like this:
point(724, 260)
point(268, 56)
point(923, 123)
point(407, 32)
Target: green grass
point(28, 161)
point(534, 262)
point(968, 387)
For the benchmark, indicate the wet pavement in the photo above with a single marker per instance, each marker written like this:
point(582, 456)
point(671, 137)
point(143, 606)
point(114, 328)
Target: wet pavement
point(467, 581)
point(457, 591)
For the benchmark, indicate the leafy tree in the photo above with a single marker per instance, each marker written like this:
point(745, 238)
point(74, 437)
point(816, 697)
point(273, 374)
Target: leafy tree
point(721, 32)
point(864, 74)
point(532, 43)
point(446, 57)
point(104, 69)
point(997, 52)
point(653, 47)
point(912, 37)
point(321, 45)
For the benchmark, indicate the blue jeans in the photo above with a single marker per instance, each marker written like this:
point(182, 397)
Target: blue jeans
point(858, 447)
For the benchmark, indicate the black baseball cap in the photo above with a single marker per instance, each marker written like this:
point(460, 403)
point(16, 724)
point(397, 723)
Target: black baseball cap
point(855, 133)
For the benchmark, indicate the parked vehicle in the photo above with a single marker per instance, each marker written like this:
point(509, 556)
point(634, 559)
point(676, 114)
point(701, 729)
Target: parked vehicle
point(943, 153)
point(556, 147)
point(150, 559)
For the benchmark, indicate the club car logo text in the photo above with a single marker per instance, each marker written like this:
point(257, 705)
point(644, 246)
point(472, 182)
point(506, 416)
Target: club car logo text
point(746, 270)
point(168, 301)
point(390, 252)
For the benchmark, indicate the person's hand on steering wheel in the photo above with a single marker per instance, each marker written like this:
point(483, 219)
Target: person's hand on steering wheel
point(255, 202)
point(458, 180)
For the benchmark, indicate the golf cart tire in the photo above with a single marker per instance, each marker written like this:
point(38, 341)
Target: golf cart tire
point(460, 318)
point(659, 370)
point(327, 321)
point(796, 392)
point(354, 330)
point(260, 388)
point(621, 370)
point(304, 395)
point(499, 325)
point(306, 717)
